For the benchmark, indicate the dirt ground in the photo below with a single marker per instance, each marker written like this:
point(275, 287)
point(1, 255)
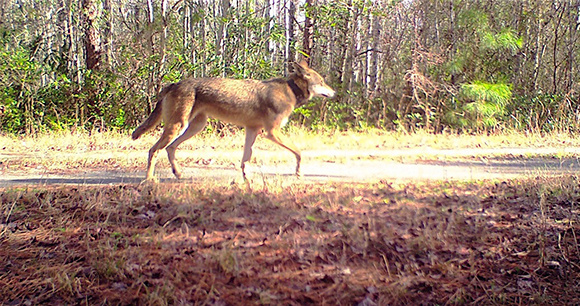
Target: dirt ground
point(317, 166)
point(399, 227)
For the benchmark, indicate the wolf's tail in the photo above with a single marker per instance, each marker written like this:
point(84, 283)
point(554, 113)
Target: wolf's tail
point(155, 117)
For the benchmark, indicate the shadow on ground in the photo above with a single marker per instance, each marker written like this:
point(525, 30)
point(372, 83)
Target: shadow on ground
point(350, 171)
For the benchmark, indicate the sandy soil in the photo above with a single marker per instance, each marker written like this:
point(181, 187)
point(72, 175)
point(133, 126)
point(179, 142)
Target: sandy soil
point(347, 166)
point(91, 239)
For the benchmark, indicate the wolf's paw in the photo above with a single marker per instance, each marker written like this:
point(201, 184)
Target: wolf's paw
point(178, 174)
point(149, 180)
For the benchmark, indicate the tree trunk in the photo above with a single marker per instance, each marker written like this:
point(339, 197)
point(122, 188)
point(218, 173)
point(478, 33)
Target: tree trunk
point(374, 56)
point(290, 15)
point(307, 39)
point(108, 33)
point(222, 36)
point(92, 47)
point(349, 50)
point(92, 41)
point(163, 47)
point(3, 5)
point(574, 23)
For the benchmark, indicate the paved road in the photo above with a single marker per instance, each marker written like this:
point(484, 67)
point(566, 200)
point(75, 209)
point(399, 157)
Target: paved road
point(470, 164)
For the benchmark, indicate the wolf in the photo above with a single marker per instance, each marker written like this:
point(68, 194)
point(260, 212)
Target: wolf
point(255, 105)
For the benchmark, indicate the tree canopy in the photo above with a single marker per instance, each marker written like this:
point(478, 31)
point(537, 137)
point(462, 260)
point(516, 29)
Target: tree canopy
point(465, 65)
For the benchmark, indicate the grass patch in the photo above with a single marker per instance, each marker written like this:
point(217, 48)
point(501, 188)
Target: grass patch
point(431, 243)
point(80, 141)
point(79, 151)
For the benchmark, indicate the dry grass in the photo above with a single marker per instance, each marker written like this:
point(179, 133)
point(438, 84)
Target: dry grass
point(115, 150)
point(474, 243)
point(437, 243)
point(74, 142)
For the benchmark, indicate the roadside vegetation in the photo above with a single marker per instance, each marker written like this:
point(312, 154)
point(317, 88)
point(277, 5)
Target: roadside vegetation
point(410, 76)
point(282, 242)
point(439, 243)
point(69, 151)
point(471, 66)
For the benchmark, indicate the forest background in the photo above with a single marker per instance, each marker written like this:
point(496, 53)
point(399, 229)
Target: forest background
point(438, 65)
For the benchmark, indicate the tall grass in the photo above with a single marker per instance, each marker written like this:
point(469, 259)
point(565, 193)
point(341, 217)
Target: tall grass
point(78, 140)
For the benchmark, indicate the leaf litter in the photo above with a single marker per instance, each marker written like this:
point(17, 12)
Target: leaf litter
point(425, 243)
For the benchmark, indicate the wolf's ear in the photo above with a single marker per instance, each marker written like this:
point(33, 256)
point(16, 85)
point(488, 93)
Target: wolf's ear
point(302, 69)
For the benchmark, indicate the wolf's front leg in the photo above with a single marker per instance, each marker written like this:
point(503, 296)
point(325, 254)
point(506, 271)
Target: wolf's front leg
point(251, 134)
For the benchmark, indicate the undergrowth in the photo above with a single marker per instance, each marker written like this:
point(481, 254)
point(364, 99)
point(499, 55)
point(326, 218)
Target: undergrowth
point(114, 150)
point(438, 243)
point(233, 138)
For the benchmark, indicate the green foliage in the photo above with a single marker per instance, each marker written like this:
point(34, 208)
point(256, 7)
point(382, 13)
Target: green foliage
point(486, 104)
point(483, 50)
point(506, 40)
point(367, 50)
point(481, 92)
point(545, 113)
point(30, 106)
point(20, 99)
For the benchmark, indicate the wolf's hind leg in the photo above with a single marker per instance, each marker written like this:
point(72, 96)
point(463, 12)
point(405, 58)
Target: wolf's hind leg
point(169, 133)
point(195, 126)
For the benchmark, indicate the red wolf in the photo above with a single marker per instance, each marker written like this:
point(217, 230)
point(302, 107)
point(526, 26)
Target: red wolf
point(252, 104)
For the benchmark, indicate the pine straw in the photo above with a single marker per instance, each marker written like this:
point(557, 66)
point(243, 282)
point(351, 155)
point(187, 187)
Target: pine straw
point(475, 243)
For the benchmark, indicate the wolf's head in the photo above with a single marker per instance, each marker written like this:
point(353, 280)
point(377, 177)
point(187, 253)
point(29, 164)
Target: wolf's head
point(316, 84)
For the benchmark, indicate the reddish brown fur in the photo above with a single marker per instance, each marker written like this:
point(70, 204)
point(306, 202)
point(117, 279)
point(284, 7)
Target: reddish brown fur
point(253, 104)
